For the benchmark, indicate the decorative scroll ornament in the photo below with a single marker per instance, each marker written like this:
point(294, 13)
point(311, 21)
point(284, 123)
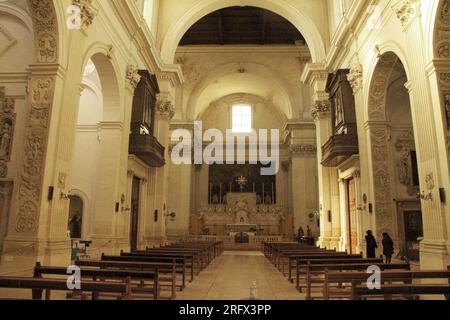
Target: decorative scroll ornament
point(355, 77)
point(302, 149)
point(405, 11)
point(165, 108)
point(88, 12)
point(7, 122)
point(132, 76)
point(321, 108)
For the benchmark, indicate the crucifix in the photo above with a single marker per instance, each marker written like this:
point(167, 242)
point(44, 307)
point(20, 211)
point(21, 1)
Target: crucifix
point(242, 182)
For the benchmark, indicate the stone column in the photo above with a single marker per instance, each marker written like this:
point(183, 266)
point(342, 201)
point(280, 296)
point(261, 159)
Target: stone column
point(302, 147)
point(316, 76)
point(335, 208)
point(34, 234)
point(322, 116)
point(164, 113)
point(433, 250)
point(362, 181)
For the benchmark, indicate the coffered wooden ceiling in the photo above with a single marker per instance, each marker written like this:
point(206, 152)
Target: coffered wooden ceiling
point(242, 26)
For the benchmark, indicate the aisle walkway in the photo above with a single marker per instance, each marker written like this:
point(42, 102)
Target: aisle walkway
point(231, 275)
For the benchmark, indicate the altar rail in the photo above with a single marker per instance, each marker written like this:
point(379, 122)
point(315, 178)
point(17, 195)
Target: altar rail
point(255, 242)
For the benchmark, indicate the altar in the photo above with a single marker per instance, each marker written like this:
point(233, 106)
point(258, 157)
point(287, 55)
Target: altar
point(241, 214)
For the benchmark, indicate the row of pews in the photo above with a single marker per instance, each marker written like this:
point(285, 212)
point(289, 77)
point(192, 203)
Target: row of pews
point(153, 274)
point(328, 274)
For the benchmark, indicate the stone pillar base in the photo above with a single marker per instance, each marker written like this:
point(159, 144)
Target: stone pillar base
point(324, 242)
point(433, 255)
point(20, 255)
point(155, 241)
point(334, 243)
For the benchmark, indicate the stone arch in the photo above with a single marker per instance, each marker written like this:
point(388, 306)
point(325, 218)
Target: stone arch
point(201, 8)
point(441, 54)
point(441, 41)
point(252, 68)
point(378, 135)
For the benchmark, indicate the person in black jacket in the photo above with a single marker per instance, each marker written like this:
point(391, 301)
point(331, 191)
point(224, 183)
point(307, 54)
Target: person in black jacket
point(371, 244)
point(388, 247)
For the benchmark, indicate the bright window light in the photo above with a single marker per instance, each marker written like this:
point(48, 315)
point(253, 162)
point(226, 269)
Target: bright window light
point(242, 118)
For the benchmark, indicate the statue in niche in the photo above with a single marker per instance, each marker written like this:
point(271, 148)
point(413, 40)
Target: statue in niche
point(5, 140)
point(447, 107)
point(403, 171)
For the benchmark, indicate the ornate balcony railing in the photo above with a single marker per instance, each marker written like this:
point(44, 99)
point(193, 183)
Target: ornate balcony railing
point(339, 148)
point(148, 149)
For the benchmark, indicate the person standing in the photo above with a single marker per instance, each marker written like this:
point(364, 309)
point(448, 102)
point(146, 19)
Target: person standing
point(371, 244)
point(388, 247)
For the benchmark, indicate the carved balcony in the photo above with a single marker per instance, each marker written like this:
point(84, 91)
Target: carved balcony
point(148, 149)
point(339, 148)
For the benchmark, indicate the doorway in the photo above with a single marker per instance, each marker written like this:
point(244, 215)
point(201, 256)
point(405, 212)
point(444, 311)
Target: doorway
point(135, 199)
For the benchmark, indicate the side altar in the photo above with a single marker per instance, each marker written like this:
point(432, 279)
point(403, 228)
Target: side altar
point(240, 213)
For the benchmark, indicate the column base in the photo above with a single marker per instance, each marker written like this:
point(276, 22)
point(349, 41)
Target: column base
point(335, 243)
point(324, 242)
point(155, 241)
point(434, 255)
point(20, 255)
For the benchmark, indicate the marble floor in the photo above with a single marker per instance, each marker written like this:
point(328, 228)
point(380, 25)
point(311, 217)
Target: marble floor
point(231, 275)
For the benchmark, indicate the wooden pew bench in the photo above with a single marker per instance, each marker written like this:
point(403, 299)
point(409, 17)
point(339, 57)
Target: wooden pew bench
point(315, 273)
point(296, 260)
point(181, 260)
point(339, 284)
point(168, 272)
point(38, 286)
point(142, 282)
point(359, 292)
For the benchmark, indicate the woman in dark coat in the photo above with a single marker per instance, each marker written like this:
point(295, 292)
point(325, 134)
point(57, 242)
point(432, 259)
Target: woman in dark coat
point(388, 247)
point(371, 244)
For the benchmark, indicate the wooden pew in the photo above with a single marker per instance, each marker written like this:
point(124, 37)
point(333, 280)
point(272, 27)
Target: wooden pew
point(296, 260)
point(358, 292)
point(168, 258)
point(106, 275)
point(332, 284)
point(167, 271)
point(302, 261)
point(200, 257)
point(318, 271)
point(38, 286)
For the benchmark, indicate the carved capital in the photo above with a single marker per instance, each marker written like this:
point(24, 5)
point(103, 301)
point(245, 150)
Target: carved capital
point(405, 11)
point(355, 77)
point(164, 107)
point(321, 108)
point(132, 77)
point(88, 12)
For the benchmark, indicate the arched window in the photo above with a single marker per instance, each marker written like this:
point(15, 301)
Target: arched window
point(75, 217)
point(242, 118)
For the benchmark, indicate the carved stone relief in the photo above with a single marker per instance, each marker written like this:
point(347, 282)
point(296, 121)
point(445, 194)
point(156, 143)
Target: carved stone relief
point(41, 91)
point(45, 30)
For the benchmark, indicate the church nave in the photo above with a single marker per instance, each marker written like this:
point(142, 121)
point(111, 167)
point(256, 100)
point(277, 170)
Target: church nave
point(231, 276)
